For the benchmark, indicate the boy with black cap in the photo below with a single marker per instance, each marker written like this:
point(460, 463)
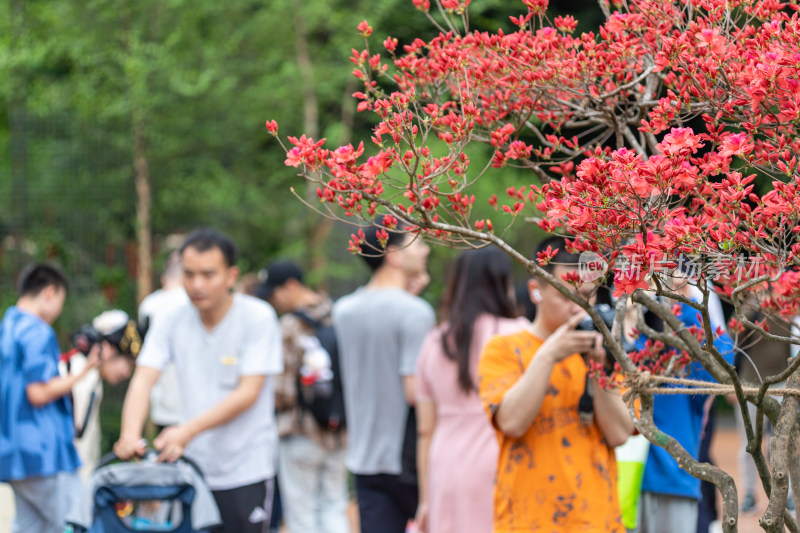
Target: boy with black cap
point(380, 328)
point(312, 474)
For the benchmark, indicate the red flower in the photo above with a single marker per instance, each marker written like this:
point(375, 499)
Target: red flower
point(293, 158)
point(364, 29)
point(626, 282)
point(536, 6)
point(390, 221)
point(572, 277)
point(567, 23)
point(544, 258)
point(736, 145)
point(680, 141)
point(390, 44)
point(422, 5)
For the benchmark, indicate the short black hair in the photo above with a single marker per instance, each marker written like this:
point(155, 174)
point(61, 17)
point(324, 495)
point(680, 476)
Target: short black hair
point(372, 251)
point(562, 257)
point(36, 277)
point(204, 239)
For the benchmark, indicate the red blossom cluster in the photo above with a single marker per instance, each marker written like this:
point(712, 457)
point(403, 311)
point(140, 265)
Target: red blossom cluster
point(645, 140)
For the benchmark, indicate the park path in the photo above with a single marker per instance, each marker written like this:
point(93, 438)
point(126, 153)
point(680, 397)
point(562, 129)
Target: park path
point(724, 453)
point(724, 450)
point(6, 508)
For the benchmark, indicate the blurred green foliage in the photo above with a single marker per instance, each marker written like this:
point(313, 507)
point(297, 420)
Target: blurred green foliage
point(200, 77)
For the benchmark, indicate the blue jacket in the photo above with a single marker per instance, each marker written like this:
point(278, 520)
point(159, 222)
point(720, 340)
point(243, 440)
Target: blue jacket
point(34, 441)
point(681, 417)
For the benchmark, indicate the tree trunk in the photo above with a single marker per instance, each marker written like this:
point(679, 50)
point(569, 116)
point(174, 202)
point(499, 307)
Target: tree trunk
point(774, 517)
point(318, 227)
point(704, 471)
point(144, 277)
point(18, 132)
point(138, 97)
point(310, 104)
point(794, 467)
point(322, 229)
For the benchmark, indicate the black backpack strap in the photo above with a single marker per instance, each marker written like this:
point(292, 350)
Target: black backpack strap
point(79, 430)
point(305, 317)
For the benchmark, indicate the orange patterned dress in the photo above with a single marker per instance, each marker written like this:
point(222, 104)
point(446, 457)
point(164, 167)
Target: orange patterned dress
point(560, 476)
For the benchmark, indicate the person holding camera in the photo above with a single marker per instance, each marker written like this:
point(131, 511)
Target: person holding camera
point(224, 347)
point(37, 453)
point(120, 341)
point(556, 469)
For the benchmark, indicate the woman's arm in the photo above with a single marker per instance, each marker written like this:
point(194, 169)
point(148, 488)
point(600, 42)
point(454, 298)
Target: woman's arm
point(426, 424)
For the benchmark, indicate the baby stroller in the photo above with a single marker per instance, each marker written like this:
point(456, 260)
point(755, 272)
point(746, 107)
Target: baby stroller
point(144, 496)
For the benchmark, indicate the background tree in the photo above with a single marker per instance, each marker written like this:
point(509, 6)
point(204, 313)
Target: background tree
point(99, 96)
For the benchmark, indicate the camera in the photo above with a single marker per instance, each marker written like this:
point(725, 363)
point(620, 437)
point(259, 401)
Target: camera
point(607, 314)
point(114, 327)
point(85, 338)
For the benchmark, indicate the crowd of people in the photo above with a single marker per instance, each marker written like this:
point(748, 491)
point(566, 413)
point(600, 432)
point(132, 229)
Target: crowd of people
point(487, 421)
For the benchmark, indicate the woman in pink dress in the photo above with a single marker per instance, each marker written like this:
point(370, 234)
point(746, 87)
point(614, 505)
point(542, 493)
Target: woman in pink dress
point(457, 448)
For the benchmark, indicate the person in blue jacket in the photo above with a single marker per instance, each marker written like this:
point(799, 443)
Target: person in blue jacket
point(669, 493)
point(37, 455)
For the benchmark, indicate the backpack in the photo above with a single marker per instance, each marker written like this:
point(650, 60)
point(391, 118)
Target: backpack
point(320, 393)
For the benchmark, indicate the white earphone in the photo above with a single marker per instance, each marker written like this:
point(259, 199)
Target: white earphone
point(536, 295)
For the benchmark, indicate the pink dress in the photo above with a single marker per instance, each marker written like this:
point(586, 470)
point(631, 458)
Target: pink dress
point(462, 460)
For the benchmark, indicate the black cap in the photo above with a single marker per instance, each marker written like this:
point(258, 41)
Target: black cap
point(276, 275)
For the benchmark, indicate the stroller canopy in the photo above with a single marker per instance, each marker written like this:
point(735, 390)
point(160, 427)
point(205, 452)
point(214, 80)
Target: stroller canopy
point(146, 480)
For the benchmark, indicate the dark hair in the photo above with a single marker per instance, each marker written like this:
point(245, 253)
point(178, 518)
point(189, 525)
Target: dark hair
point(372, 251)
point(35, 278)
point(204, 239)
point(480, 284)
point(562, 257)
point(525, 306)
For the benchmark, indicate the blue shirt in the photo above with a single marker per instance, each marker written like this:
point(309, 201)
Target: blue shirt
point(681, 417)
point(34, 441)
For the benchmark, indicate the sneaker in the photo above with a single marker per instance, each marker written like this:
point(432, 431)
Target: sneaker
point(749, 503)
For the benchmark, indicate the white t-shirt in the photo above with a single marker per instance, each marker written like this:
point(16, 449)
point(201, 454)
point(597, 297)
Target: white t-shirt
point(165, 405)
point(161, 302)
point(208, 364)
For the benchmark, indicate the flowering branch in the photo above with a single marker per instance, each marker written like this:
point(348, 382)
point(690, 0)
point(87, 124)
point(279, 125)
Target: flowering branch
point(646, 141)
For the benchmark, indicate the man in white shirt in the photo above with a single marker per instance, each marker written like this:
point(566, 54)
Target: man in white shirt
point(165, 408)
point(224, 347)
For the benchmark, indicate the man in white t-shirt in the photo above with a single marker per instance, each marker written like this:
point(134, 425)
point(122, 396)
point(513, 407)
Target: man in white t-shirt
point(224, 347)
point(165, 407)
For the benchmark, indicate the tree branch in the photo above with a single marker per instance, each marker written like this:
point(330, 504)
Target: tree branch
point(704, 471)
point(776, 515)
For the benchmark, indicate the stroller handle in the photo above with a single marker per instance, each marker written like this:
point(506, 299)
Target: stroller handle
point(149, 454)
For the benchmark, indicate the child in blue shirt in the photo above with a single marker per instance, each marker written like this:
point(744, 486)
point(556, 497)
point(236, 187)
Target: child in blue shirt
point(669, 493)
point(37, 455)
